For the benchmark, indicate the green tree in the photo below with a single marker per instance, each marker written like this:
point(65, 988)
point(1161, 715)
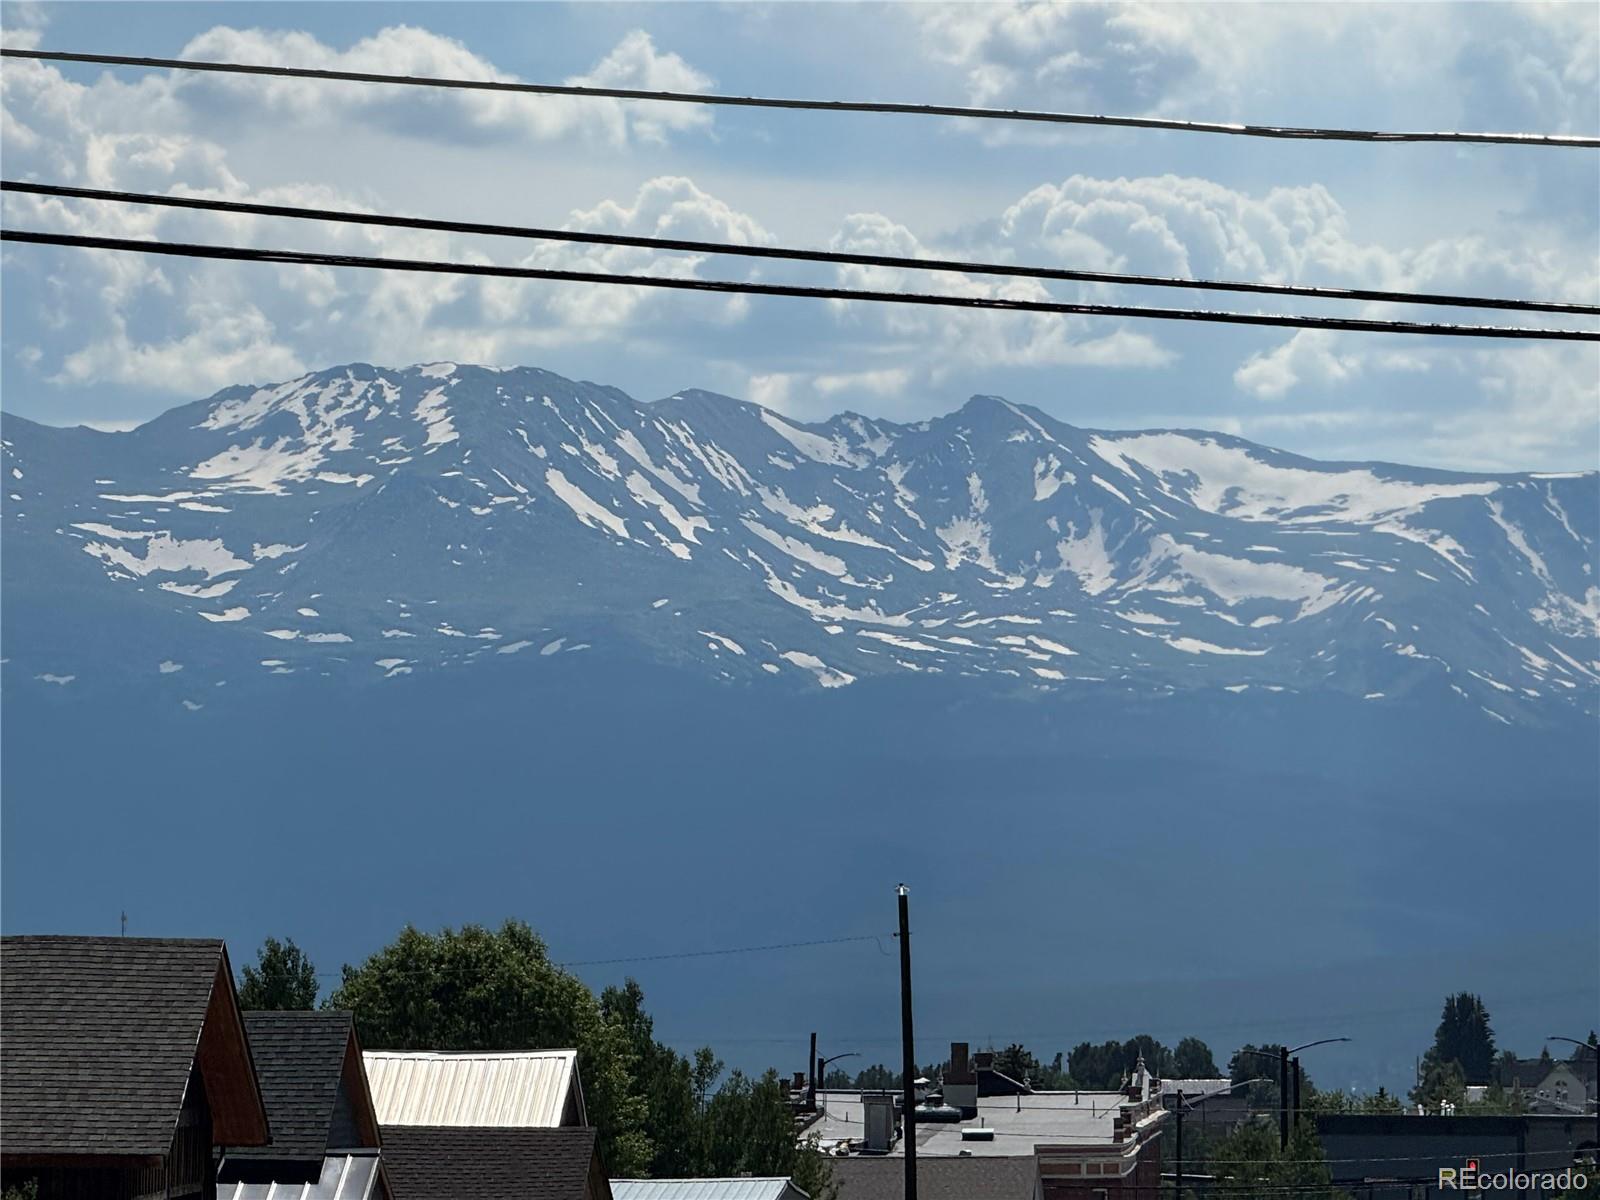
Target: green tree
point(1106, 1066)
point(750, 1128)
point(1244, 1162)
point(1192, 1060)
point(1096, 1067)
point(1262, 1063)
point(283, 978)
point(1464, 1036)
point(813, 1173)
point(27, 1190)
point(476, 989)
point(666, 1081)
point(1303, 1166)
point(1441, 1083)
point(1248, 1163)
point(1381, 1101)
point(1017, 1061)
point(878, 1078)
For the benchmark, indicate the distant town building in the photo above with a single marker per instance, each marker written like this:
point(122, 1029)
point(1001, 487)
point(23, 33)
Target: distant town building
point(1398, 1156)
point(1009, 1140)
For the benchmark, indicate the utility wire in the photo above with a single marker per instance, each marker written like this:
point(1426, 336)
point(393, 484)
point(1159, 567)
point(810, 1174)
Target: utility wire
point(598, 962)
point(734, 287)
point(935, 110)
point(838, 941)
point(296, 212)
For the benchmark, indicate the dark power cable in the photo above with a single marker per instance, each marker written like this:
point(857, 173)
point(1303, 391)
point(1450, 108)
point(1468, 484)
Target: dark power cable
point(733, 287)
point(865, 106)
point(296, 212)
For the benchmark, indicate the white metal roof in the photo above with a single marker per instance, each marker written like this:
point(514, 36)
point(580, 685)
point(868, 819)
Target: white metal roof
point(700, 1189)
point(523, 1089)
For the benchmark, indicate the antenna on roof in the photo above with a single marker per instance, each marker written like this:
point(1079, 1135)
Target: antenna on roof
point(124, 922)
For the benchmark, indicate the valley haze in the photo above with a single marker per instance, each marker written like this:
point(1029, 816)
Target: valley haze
point(1170, 732)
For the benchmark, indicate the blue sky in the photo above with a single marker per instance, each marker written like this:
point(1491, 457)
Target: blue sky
point(113, 340)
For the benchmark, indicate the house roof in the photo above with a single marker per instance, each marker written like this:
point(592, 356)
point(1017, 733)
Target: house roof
point(704, 1189)
point(520, 1089)
point(457, 1163)
point(98, 1037)
point(299, 1059)
point(877, 1178)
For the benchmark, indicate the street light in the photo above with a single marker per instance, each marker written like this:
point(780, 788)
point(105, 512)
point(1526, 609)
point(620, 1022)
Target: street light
point(822, 1070)
point(1590, 1047)
point(1284, 1098)
point(1183, 1107)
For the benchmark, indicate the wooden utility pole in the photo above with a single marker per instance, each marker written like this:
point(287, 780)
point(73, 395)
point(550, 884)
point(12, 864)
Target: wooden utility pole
point(908, 1056)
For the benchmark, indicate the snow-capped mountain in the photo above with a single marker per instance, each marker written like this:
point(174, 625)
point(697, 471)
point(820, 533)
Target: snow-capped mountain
point(384, 524)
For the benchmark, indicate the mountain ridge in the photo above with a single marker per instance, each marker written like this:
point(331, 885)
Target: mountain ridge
point(361, 519)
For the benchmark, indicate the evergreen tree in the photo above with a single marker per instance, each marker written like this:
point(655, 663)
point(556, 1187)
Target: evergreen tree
point(1441, 1083)
point(1464, 1037)
point(283, 978)
point(813, 1173)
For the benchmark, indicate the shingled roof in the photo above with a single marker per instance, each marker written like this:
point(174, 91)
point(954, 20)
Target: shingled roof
point(98, 1037)
point(299, 1059)
point(432, 1162)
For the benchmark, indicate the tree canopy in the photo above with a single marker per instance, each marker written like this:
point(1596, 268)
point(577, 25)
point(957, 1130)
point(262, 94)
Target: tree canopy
point(659, 1113)
point(283, 978)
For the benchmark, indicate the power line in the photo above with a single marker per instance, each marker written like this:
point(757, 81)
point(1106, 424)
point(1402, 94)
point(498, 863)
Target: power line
point(734, 287)
point(838, 941)
point(296, 212)
point(634, 958)
point(935, 110)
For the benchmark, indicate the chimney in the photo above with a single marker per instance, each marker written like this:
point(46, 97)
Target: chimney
point(799, 1081)
point(960, 1082)
point(877, 1113)
point(959, 1071)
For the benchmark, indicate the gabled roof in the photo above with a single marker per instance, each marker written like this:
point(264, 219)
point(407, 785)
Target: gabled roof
point(519, 1089)
point(743, 1188)
point(300, 1059)
point(98, 1037)
point(453, 1163)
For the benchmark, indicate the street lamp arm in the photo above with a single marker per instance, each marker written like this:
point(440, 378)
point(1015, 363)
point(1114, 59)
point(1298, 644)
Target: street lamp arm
point(1231, 1088)
point(1323, 1042)
point(1589, 1046)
